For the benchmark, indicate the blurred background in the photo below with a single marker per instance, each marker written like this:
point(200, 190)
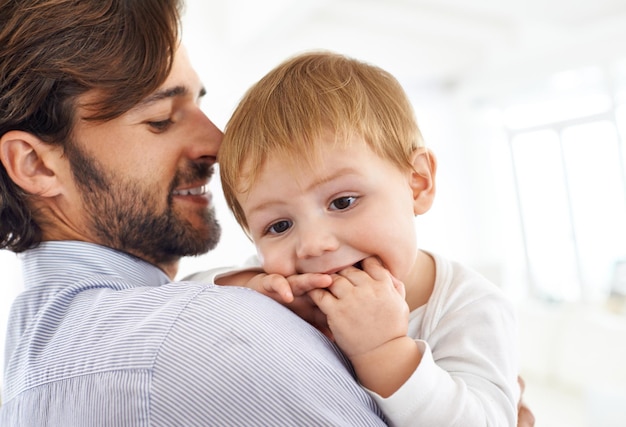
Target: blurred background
point(524, 104)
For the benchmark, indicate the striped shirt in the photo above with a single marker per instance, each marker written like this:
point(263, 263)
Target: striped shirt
point(100, 338)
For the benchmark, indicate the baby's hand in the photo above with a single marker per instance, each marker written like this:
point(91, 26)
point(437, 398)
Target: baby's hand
point(287, 289)
point(291, 291)
point(368, 316)
point(274, 286)
point(302, 303)
point(365, 308)
point(280, 288)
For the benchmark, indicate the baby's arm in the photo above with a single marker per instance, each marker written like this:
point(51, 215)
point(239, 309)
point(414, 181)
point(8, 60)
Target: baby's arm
point(368, 316)
point(468, 371)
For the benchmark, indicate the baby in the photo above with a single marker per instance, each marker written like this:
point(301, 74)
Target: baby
point(324, 167)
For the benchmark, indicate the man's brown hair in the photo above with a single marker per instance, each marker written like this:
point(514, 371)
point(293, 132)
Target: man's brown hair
point(51, 52)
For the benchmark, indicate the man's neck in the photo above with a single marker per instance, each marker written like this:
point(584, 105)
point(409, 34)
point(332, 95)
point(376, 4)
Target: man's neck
point(171, 268)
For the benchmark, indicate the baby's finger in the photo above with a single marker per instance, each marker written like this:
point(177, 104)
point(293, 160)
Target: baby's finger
point(324, 299)
point(374, 267)
point(275, 283)
point(344, 283)
point(300, 284)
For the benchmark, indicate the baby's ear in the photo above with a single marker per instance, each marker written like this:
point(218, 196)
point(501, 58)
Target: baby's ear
point(30, 162)
point(422, 180)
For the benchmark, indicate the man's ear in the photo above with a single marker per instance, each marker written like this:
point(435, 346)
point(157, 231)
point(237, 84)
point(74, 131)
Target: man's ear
point(30, 163)
point(422, 180)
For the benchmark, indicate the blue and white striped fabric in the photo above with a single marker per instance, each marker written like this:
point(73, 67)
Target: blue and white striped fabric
point(100, 338)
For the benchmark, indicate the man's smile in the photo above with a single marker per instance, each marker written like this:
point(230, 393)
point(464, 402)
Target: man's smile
point(193, 191)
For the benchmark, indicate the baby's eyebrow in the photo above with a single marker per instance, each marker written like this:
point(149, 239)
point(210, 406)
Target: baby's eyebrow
point(321, 180)
point(331, 177)
point(264, 205)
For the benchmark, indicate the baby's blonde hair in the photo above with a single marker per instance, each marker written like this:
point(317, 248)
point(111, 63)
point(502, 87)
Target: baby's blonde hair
point(309, 97)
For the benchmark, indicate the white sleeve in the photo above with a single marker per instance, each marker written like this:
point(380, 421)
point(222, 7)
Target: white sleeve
point(468, 374)
point(209, 276)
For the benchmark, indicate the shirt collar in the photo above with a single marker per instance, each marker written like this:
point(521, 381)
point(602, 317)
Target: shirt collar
point(64, 262)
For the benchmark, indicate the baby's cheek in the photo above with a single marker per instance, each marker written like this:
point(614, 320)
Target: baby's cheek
point(276, 263)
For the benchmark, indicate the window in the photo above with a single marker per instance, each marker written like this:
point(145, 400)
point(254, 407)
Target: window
point(569, 161)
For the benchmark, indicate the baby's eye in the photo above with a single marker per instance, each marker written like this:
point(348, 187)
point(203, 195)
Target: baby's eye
point(342, 203)
point(161, 125)
point(279, 227)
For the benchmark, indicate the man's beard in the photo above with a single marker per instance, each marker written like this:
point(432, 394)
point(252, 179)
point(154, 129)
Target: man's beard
point(125, 215)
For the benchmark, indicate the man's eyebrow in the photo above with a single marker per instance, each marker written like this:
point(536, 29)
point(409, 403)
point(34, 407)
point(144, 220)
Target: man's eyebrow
point(168, 93)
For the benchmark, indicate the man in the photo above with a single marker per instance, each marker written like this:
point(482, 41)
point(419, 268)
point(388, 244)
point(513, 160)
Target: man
point(105, 159)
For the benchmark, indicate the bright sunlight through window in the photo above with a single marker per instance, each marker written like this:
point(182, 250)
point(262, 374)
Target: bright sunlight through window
point(569, 159)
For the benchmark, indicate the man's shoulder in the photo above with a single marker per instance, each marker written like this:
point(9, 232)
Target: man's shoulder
point(208, 343)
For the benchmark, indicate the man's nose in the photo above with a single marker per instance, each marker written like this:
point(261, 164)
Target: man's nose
point(206, 136)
